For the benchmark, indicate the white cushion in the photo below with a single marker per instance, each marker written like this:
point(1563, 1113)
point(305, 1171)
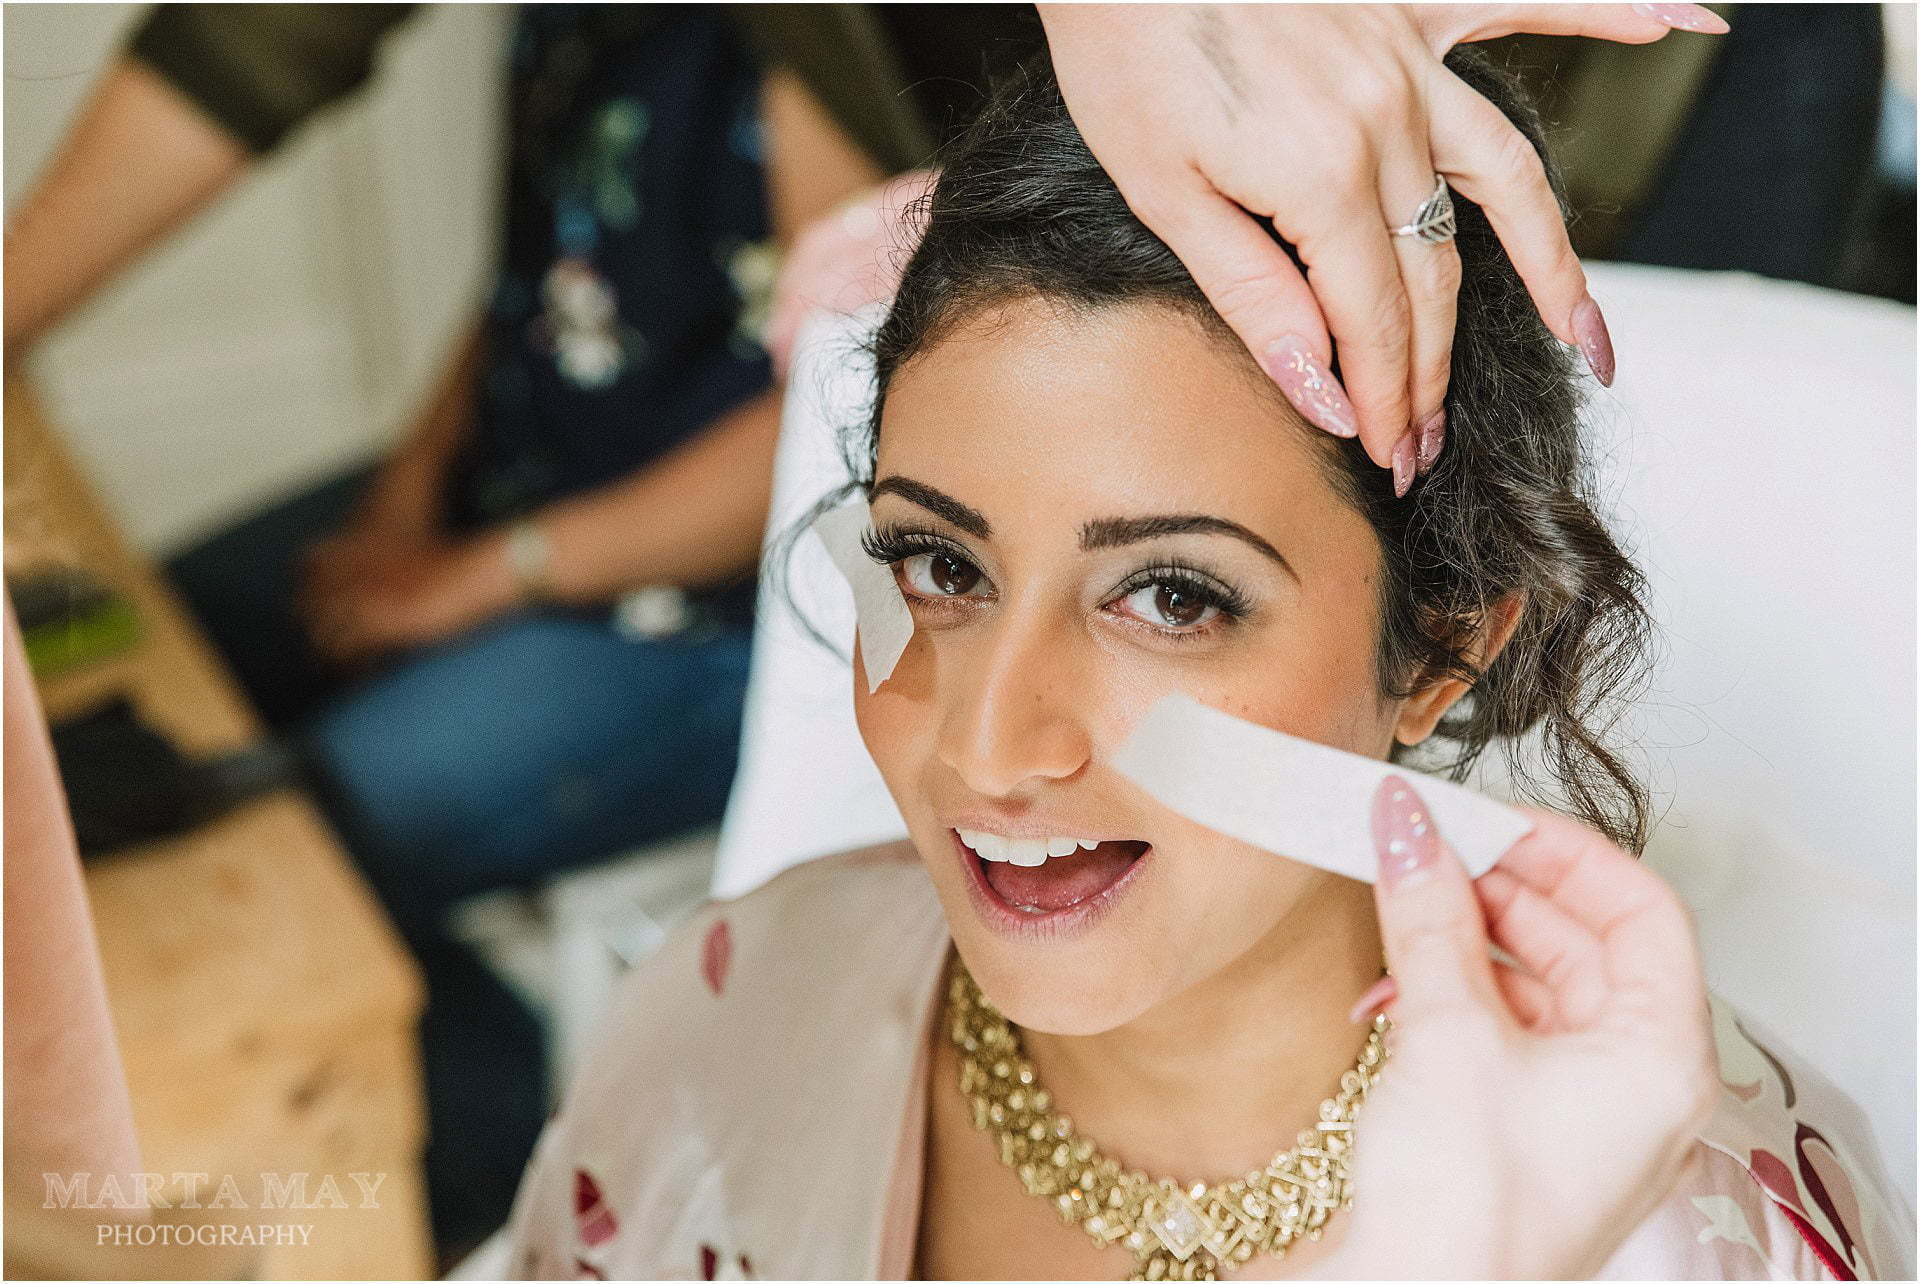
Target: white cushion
point(1757, 456)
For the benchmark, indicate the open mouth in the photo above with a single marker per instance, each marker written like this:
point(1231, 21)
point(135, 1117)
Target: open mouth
point(1041, 876)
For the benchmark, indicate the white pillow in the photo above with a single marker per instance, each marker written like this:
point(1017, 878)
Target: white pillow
point(1757, 457)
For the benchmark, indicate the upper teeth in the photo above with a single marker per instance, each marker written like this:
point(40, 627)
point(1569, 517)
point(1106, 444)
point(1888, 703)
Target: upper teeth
point(1021, 851)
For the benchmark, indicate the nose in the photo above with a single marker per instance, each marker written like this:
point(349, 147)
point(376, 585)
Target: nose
point(1013, 714)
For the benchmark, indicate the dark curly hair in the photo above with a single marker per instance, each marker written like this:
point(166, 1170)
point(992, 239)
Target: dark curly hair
point(1022, 209)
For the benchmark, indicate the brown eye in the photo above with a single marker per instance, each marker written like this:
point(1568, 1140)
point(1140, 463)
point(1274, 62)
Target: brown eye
point(1171, 608)
point(1177, 608)
point(939, 575)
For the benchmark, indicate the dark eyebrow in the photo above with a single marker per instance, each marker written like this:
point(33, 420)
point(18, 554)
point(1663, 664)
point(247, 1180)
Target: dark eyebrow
point(1112, 532)
point(939, 503)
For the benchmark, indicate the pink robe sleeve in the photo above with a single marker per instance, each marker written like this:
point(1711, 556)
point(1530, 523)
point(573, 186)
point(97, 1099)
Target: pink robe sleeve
point(583, 1210)
point(540, 1230)
point(704, 1134)
point(1785, 1182)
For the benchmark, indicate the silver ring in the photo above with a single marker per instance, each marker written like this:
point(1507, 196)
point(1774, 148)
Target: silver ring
point(1433, 222)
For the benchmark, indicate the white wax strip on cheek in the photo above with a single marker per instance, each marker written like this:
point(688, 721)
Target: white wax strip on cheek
point(886, 625)
point(1296, 798)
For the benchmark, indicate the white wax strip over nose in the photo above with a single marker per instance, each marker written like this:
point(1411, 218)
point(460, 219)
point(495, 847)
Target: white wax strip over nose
point(886, 625)
point(1296, 798)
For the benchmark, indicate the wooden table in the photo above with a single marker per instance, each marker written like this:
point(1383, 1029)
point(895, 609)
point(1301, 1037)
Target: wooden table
point(265, 1008)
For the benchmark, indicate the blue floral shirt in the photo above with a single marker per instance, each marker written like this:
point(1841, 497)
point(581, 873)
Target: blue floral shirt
point(637, 253)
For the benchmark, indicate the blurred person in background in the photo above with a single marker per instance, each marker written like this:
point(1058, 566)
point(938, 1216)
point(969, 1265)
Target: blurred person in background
point(518, 644)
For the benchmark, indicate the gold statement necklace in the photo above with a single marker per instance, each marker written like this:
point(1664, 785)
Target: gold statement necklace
point(1174, 1233)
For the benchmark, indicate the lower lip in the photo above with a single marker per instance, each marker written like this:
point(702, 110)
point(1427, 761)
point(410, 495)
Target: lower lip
point(1073, 919)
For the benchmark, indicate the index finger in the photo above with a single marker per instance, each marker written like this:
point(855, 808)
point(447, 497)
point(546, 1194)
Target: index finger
point(1356, 278)
point(1581, 871)
point(1643, 928)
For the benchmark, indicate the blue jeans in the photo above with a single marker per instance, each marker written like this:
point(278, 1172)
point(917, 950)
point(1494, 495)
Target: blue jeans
point(539, 743)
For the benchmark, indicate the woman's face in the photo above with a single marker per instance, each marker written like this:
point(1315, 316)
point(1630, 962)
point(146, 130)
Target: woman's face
point(1086, 512)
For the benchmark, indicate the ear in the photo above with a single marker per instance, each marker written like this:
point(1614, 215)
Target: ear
point(1424, 708)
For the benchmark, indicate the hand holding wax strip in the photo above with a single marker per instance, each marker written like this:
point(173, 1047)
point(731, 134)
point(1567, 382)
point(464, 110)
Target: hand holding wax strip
point(1291, 796)
point(1560, 1096)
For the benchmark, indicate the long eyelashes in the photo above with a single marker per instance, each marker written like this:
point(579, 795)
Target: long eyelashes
point(889, 544)
point(1191, 582)
point(894, 544)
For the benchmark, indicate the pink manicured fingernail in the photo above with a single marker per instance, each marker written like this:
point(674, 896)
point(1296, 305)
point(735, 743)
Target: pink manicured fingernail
point(1430, 437)
point(1685, 17)
point(1378, 995)
point(1596, 345)
point(1312, 389)
point(1403, 471)
point(1403, 834)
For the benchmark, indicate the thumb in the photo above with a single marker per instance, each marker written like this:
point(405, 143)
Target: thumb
point(1430, 920)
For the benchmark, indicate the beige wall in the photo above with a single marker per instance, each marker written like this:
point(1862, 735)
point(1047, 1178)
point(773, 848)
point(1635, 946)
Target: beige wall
point(288, 331)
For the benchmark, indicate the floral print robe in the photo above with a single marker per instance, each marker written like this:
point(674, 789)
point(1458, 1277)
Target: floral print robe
point(757, 1103)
